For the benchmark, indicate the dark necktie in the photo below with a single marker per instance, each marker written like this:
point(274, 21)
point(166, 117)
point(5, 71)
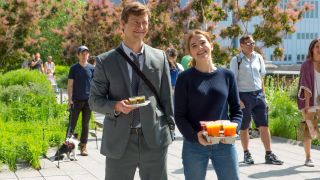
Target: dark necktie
point(135, 87)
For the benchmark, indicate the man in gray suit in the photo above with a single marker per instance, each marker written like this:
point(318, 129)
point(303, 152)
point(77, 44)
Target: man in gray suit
point(133, 137)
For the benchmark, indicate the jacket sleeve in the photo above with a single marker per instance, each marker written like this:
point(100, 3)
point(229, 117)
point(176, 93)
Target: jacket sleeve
point(98, 99)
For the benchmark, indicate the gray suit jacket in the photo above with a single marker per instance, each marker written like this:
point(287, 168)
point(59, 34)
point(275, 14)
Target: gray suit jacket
point(111, 83)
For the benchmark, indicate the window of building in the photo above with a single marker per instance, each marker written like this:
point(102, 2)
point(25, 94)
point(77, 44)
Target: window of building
point(313, 13)
point(316, 7)
point(298, 57)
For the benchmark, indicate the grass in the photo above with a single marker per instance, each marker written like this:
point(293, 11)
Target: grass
point(31, 120)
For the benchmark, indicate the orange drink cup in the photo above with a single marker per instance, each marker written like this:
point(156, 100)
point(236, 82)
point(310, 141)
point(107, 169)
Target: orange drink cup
point(230, 129)
point(213, 129)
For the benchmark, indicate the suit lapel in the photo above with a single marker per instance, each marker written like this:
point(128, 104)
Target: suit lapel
point(124, 70)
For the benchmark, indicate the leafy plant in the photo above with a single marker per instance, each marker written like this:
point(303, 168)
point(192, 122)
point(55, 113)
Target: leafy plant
point(62, 76)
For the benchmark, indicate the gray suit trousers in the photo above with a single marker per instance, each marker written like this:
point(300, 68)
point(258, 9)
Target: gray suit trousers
point(152, 162)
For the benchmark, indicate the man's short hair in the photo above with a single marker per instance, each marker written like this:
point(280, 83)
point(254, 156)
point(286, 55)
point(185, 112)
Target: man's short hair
point(244, 38)
point(92, 60)
point(171, 52)
point(134, 8)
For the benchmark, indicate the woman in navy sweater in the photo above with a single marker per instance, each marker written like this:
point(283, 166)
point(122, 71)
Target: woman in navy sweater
point(205, 93)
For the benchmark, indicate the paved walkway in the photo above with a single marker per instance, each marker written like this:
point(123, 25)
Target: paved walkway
point(92, 166)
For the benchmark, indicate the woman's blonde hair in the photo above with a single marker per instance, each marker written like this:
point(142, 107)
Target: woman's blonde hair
point(189, 36)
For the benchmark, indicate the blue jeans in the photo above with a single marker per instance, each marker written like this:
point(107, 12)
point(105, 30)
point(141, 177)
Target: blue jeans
point(195, 159)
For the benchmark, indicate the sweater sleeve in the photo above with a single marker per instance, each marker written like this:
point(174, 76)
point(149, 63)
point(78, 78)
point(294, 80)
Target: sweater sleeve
point(235, 112)
point(306, 83)
point(181, 109)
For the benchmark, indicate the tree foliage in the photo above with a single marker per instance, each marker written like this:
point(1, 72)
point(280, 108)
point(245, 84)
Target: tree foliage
point(276, 20)
point(26, 28)
point(18, 20)
point(50, 43)
point(95, 25)
point(58, 27)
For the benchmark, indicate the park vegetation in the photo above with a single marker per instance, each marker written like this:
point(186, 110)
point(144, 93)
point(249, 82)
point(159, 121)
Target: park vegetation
point(57, 27)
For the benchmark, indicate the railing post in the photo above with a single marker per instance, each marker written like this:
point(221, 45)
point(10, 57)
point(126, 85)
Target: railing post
point(61, 100)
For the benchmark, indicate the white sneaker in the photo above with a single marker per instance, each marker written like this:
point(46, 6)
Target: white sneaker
point(309, 163)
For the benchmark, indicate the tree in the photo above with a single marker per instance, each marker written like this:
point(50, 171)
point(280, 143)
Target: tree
point(49, 42)
point(58, 27)
point(25, 28)
point(18, 20)
point(277, 20)
point(96, 25)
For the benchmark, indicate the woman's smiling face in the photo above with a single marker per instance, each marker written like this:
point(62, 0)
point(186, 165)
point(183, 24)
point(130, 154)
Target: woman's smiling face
point(200, 48)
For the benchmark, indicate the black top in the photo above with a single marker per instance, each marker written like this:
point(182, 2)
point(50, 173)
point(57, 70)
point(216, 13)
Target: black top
point(37, 66)
point(205, 97)
point(82, 77)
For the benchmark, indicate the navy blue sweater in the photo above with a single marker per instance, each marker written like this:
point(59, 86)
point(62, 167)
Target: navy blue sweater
point(205, 97)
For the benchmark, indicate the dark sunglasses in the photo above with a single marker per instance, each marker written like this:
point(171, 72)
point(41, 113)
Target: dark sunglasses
point(250, 43)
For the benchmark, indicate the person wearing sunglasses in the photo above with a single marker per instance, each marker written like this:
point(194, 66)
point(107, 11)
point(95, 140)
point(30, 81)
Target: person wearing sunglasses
point(249, 69)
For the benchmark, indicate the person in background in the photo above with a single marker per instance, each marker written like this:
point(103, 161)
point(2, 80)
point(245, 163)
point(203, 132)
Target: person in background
point(49, 66)
point(79, 83)
point(309, 94)
point(92, 60)
point(205, 92)
point(134, 137)
point(249, 69)
point(185, 61)
point(36, 63)
point(175, 68)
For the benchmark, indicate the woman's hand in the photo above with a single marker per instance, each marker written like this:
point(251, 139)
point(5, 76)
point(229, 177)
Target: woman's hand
point(201, 139)
point(306, 109)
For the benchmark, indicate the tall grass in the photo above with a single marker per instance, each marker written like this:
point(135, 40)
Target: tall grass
point(30, 118)
point(62, 76)
point(284, 116)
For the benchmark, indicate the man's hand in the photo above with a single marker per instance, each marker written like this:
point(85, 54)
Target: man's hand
point(70, 102)
point(123, 107)
point(242, 106)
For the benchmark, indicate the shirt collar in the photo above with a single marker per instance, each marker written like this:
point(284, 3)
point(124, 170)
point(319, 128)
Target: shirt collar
point(128, 51)
point(245, 57)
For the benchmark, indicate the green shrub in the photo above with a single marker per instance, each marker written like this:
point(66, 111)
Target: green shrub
point(29, 118)
point(62, 76)
point(24, 77)
point(284, 116)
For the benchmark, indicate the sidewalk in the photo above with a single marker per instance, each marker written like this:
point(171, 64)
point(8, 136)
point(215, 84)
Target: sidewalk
point(92, 166)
